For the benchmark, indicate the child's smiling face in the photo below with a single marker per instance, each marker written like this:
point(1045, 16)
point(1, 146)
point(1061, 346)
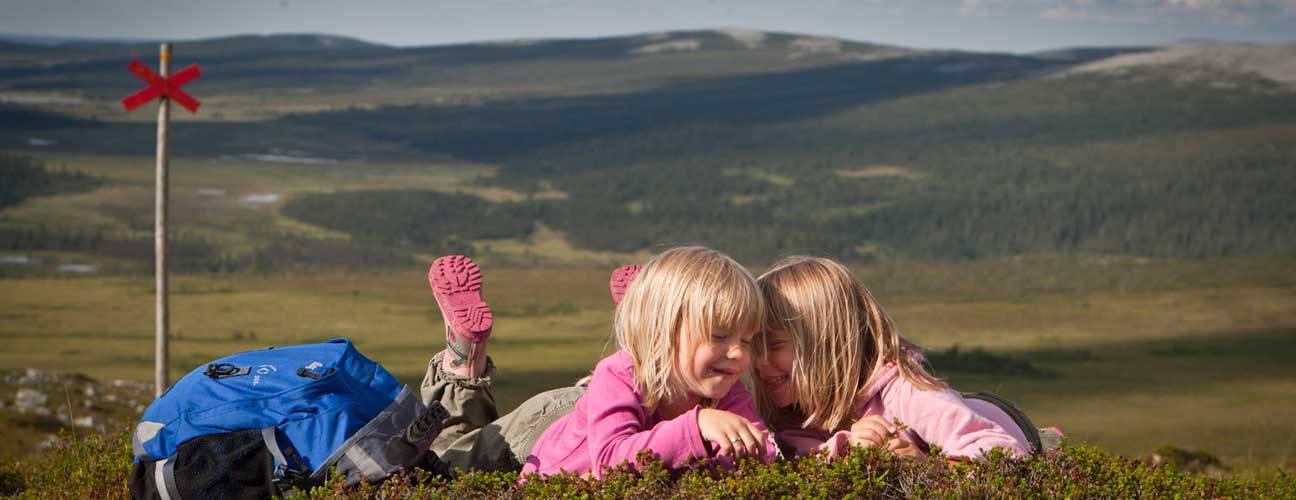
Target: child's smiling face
point(712, 366)
point(774, 369)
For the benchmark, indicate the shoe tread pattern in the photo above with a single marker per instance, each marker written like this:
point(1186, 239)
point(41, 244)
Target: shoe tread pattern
point(622, 277)
point(457, 282)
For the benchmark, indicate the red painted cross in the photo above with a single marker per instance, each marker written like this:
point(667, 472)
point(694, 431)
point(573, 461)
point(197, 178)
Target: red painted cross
point(158, 86)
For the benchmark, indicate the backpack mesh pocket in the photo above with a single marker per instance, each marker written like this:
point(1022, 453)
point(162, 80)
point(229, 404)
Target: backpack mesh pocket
point(232, 465)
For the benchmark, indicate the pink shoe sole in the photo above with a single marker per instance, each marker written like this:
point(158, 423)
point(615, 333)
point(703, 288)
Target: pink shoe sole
point(621, 279)
point(456, 282)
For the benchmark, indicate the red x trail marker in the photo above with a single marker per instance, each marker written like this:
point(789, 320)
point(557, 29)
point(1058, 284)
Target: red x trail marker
point(159, 86)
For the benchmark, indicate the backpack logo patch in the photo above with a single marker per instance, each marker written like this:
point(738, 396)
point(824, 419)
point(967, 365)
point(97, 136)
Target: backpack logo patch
point(262, 370)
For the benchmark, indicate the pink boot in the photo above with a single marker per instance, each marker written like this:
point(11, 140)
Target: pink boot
point(621, 279)
point(456, 283)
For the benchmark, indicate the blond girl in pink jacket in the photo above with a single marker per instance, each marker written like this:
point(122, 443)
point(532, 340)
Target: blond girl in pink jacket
point(837, 373)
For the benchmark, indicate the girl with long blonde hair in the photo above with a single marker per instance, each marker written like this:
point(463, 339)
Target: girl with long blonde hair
point(836, 372)
point(686, 330)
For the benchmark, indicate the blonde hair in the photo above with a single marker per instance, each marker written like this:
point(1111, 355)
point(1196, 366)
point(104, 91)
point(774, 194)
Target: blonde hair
point(841, 334)
point(684, 291)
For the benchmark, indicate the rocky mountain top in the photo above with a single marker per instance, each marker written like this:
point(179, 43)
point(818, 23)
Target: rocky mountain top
point(1202, 59)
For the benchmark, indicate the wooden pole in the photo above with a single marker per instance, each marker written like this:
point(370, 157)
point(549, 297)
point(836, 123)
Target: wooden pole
point(162, 379)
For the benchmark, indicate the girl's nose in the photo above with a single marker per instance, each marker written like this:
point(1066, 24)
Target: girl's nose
point(737, 351)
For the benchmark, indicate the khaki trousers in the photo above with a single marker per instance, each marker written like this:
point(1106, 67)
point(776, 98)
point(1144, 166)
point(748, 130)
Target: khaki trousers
point(475, 436)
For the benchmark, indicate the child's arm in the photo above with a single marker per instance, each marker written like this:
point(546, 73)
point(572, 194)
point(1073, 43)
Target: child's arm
point(618, 428)
point(943, 419)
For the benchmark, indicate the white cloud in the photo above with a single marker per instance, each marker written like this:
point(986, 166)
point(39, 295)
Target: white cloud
point(1238, 12)
point(978, 7)
point(1063, 13)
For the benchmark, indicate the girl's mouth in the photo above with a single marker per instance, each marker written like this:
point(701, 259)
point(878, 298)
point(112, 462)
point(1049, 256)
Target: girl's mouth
point(776, 382)
point(724, 371)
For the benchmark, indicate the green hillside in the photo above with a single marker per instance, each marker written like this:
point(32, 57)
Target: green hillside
point(759, 143)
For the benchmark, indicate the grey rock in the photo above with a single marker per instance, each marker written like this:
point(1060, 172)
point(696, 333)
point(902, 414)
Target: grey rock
point(29, 400)
point(50, 441)
point(33, 376)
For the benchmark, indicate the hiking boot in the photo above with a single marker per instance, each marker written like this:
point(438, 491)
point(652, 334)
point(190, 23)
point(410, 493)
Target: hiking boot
point(1050, 438)
point(410, 448)
point(621, 279)
point(456, 283)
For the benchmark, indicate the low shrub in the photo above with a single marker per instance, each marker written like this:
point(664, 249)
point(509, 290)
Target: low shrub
point(98, 467)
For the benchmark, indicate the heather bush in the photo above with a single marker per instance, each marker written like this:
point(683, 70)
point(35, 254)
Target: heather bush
point(98, 466)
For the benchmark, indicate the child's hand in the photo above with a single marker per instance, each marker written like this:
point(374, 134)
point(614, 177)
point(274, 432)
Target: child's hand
point(871, 431)
point(903, 448)
point(731, 434)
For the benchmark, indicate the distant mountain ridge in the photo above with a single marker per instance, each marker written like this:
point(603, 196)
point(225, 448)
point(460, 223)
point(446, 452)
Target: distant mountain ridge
point(75, 41)
point(61, 40)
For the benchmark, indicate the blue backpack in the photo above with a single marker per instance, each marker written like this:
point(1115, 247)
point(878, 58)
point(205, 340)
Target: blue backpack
point(258, 423)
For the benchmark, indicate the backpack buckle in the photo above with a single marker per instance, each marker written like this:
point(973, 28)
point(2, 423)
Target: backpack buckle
point(224, 370)
point(303, 372)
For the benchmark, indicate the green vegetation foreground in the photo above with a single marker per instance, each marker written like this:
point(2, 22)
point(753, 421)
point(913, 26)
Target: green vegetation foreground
point(97, 467)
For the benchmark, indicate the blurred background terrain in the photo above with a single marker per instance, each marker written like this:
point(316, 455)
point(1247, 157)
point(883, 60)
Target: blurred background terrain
point(1104, 235)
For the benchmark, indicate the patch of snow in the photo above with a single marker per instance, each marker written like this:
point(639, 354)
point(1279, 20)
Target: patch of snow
point(876, 171)
point(38, 142)
point(517, 42)
point(260, 199)
point(329, 40)
point(875, 55)
point(816, 45)
point(37, 100)
point(78, 268)
point(18, 260)
point(285, 158)
point(748, 38)
point(685, 45)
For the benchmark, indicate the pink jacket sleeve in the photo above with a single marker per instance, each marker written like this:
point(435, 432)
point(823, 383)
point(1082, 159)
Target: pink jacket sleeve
point(619, 430)
point(943, 419)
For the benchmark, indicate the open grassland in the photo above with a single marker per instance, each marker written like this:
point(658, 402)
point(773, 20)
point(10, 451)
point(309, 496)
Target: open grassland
point(1128, 354)
point(226, 200)
point(232, 206)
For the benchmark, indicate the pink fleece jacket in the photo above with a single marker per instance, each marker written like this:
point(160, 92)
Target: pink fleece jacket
point(942, 417)
point(609, 426)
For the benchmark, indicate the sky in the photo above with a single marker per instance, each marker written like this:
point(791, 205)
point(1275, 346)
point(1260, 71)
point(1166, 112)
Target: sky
point(980, 25)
